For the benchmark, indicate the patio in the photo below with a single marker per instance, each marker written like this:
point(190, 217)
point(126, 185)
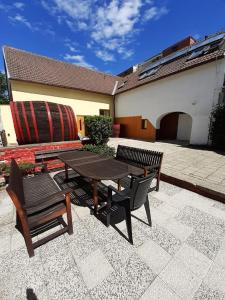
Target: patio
point(201, 167)
point(181, 257)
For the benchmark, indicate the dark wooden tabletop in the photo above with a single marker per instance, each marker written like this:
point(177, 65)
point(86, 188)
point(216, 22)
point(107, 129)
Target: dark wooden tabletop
point(97, 167)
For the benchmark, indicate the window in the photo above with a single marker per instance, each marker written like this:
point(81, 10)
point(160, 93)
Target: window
point(148, 73)
point(122, 84)
point(104, 112)
point(144, 123)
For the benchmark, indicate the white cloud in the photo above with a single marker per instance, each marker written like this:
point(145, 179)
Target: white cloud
point(111, 25)
point(15, 5)
point(116, 20)
point(155, 13)
point(78, 9)
point(78, 60)
point(21, 19)
point(19, 5)
point(104, 55)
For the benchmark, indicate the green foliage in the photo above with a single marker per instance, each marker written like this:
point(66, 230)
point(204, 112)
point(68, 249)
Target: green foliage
point(4, 98)
point(98, 129)
point(217, 126)
point(100, 149)
point(26, 168)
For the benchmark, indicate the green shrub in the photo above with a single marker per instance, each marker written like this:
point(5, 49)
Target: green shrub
point(98, 129)
point(26, 167)
point(100, 149)
point(217, 126)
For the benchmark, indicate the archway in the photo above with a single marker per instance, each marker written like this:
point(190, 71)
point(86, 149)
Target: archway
point(175, 126)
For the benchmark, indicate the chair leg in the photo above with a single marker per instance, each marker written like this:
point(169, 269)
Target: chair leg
point(69, 215)
point(129, 224)
point(157, 184)
point(27, 237)
point(147, 209)
point(108, 218)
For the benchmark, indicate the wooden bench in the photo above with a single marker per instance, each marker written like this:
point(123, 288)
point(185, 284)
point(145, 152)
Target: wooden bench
point(50, 154)
point(146, 159)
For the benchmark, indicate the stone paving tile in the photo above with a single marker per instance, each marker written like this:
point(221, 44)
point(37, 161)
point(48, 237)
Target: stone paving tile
point(205, 242)
point(220, 257)
point(7, 209)
point(219, 205)
point(215, 278)
point(25, 273)
point(81, 242)
point(70, 287)
point(181, 279)
point(206, 293)
point(159, 290)
point(208, 230)
point(162, 237)
point(198, 263)
point(154, 202)
point(5, 238)
point(118, 252)
point(94, 268)
point(154, 256)
point(138, 276)
point(179, 230)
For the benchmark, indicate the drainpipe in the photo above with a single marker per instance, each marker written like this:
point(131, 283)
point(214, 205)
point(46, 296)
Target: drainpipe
point(114, 97)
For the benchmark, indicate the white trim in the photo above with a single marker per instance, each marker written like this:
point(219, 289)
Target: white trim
point(115, 87)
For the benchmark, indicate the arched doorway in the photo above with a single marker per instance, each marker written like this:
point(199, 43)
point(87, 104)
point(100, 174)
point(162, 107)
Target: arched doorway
point(175, 126)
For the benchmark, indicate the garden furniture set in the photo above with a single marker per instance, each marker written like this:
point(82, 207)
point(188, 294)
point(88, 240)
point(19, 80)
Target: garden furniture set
point(40, 204)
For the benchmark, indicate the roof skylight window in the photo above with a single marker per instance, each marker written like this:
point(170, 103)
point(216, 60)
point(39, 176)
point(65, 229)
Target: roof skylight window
point(148, 73)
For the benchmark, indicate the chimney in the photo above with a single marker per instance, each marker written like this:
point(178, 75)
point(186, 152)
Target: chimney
point(179, 45)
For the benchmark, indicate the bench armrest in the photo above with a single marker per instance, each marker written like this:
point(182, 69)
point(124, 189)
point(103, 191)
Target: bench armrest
point(121, 195)
point(48, 201)
point(148, 168)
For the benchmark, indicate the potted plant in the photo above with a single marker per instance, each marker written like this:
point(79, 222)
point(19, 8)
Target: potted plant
point(116, 130)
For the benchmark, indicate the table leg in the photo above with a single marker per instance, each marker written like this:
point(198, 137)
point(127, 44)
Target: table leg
point(119, 185)
point(95, 195)
point(66, 173)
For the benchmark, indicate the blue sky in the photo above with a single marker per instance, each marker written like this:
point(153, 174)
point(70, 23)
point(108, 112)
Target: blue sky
point(107, 35)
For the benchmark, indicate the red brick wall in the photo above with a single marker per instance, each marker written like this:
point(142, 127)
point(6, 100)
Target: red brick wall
point(25, 153)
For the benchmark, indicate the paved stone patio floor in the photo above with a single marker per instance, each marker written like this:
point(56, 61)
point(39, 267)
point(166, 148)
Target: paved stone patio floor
point(182, 256)
point(205, 168)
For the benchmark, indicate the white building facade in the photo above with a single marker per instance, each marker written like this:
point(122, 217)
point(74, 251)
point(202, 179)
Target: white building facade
point(190, 93)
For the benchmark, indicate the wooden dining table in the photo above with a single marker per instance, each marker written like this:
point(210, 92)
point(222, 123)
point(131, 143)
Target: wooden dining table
point(96, 167)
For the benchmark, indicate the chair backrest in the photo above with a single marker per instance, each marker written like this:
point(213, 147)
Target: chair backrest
point(138, 157)
point(139, 191)
point(15, 187)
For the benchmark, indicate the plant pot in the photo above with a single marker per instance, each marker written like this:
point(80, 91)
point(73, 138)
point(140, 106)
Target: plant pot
point(116, 130)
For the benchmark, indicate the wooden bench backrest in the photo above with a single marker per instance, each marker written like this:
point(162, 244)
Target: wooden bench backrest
point(15, 187)
point(138, 157)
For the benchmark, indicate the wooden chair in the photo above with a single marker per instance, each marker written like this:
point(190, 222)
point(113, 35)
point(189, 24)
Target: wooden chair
point(40, 205)
point(130, 199)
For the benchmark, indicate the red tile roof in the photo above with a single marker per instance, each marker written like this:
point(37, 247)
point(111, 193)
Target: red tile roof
point(178, 65)
point(25, 66)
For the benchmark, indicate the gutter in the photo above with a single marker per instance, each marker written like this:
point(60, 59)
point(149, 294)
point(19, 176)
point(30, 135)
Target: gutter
point(7, 75)
point(114, 97)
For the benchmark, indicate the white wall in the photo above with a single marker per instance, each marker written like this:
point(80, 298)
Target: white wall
point(184, 127)
point(6, 123)
point(193, 91)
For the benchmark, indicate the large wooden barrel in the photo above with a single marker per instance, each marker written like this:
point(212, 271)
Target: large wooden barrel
point(43, 122)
